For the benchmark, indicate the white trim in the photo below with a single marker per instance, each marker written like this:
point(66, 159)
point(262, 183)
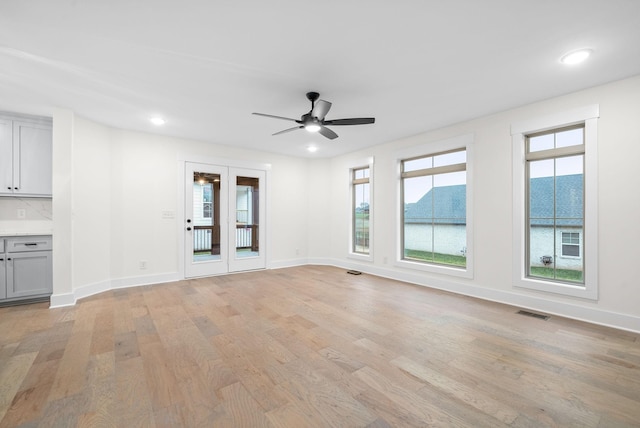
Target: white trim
point(61, 300)
point(229, 164)
point(556, 120)
point(588, 115)
point(537, 303)
point(70, 299)
point(362, 163)
point(214, 160)
point(463, 141)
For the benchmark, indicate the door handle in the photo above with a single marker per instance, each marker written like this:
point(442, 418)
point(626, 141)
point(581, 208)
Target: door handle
point(188, 228)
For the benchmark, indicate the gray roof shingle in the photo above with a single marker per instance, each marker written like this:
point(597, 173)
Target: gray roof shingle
point(451, 204)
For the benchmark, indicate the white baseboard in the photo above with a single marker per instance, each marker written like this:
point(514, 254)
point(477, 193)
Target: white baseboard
point(70, 299)
point(60, 300)
point(535, 303)
point(568, 310)
point(281, 264)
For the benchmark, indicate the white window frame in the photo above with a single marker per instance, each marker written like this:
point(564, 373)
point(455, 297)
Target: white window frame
point(456, 143)
point(579, 245)
point(360, 164)
point(587, 115)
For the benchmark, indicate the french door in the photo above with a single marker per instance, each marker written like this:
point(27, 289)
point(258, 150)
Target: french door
point(224, 219)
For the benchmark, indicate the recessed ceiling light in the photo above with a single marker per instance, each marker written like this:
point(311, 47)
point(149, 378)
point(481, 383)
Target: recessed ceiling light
point(312, 149)
point(158, 121)
point(575, 57)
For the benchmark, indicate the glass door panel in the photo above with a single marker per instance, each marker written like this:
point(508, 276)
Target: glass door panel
point(247, 217)
point(205, 220)
point(247, 208)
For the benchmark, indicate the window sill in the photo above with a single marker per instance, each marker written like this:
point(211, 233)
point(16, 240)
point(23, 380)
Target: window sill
point(361, 257)
point(433, 268)
point(565, 289)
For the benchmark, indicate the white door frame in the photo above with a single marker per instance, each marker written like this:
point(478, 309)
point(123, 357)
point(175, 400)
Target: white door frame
point(208, 265)
point(182, 159)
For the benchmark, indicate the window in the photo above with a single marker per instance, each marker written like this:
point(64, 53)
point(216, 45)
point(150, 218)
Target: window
point(555, 195)
point(434, 204)
point(434, 217)
point(555, 203)
point(207, 201)
point(360, 210)
point(570, 244)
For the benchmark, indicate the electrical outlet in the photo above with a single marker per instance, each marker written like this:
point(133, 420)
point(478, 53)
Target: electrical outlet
point(384, 260)
point(21, 213)
point(143, 264)
point(297, 252)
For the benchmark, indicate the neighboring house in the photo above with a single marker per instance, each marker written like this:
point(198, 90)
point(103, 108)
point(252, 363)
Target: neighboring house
point(447, 221)
point(569, 207)
point(202, 204)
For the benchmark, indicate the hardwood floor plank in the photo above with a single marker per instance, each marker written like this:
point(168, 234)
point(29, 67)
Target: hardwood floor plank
point(308, 388)
point(457, 389)
point(12, 373)
point(71, 377)
point(241, 408)
point(309, 346)
point(406, 400)
point(162, 385)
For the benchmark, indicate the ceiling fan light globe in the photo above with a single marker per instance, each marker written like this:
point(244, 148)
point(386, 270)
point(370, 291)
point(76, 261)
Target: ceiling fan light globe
point(312, 127)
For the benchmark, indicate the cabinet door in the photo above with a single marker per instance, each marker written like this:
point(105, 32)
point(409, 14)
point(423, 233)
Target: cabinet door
point(6, 156)
point(3, 276)
point(32, 159)
point(29, 274)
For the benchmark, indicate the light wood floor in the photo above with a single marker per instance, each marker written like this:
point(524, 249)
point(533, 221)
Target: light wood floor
point(309, 347)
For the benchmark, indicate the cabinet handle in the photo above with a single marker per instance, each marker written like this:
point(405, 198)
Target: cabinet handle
point(30, 244)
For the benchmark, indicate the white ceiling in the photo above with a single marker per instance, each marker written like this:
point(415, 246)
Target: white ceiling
point(206, 65)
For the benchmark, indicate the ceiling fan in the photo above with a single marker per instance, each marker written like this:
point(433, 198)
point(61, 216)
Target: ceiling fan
point(315, 121)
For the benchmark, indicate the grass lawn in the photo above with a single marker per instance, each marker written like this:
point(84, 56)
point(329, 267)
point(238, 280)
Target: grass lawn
point(561, 274)
point(443, 259)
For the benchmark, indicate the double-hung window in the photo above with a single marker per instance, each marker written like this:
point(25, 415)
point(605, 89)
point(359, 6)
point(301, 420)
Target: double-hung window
point(555, 203)
point(434, 231)
point(361, 209)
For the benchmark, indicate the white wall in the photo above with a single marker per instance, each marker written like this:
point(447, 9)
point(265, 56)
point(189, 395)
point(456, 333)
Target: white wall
point(91, 216)
point(116, 186)
point(308, 202)
point(619, 208)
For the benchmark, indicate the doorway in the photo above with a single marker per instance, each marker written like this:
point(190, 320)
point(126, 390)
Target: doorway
point(224, 228)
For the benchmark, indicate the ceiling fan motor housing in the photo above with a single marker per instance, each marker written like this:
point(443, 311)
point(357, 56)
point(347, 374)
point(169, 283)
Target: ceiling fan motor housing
point(313, 96)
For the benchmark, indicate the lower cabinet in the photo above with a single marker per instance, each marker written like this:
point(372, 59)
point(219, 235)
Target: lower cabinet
point(25, 268)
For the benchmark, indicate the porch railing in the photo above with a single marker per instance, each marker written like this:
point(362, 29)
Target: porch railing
point(207, 238)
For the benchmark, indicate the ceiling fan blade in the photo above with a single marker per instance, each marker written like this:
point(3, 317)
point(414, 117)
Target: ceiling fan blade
point(352, 121)
point(320, 109)
point(326, 132)
point(288, 130)
point(275, 117)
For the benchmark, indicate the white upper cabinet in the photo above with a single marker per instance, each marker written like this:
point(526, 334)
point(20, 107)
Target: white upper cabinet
point(25, 157)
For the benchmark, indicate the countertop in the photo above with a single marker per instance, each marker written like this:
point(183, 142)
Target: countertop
point(26, 228)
